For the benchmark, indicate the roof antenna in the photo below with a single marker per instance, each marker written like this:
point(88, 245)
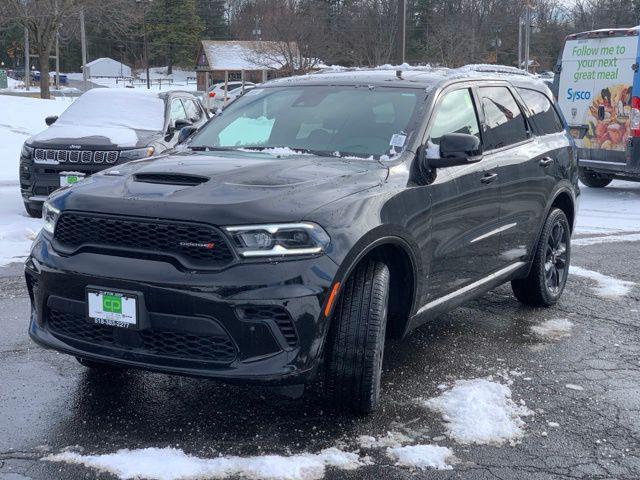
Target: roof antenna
point(399, 74)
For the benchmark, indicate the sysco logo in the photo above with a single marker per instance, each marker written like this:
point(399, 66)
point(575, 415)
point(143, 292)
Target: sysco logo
point(576, 95)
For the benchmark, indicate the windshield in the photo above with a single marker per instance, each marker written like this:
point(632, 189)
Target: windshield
point(137, 110)
point(359, 121)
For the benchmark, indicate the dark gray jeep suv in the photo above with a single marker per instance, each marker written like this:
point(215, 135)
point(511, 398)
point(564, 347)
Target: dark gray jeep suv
point(312, 219)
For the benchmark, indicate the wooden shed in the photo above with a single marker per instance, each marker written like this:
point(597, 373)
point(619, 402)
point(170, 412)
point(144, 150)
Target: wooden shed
point(255, 61)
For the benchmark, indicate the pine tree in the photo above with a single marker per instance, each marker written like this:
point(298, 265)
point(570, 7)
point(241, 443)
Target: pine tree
point(213, 14)
point(174, 30)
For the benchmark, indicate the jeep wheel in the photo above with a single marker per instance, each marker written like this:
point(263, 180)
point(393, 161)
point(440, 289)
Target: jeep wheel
point(548, 276)
point(593, 180)
point(35, 212)
point(356, 340)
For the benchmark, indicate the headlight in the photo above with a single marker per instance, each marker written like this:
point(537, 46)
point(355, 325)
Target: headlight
point(50, 215)
point(27, 151)
point(276, 240)
point(136, 153)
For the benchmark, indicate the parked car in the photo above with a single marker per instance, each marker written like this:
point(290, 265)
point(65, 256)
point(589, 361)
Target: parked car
point(598, 83)
point(35, 76)
point(215, 97)
point(102, 128)
point(307, 223)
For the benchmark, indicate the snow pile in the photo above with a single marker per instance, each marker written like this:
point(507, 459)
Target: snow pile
point(275, 151)
point(22, 117)
point(174, 464)
point(422, 456)
point(553, 329)
point(391, 439)
point(480, 411)
point(608, 287)
point(17, 229)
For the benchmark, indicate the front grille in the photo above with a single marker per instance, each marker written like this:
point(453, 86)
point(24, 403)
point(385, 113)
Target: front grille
point(188, 346)
point(272, 312)
point(44, 155)
point(194, 244)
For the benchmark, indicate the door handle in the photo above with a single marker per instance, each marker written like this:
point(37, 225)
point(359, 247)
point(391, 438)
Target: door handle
point(546, 161)
point(489, 177)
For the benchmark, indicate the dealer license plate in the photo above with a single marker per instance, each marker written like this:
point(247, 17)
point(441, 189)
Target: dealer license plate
point(112, 308)
point(69, 179)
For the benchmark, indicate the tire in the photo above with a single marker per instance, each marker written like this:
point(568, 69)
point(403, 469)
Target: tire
point(98, 366)
point(552, 257)
point(593, 180)
point(356, 340)
point(34, 212)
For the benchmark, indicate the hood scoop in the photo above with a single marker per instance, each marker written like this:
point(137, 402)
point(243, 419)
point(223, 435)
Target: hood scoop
point(180, 179)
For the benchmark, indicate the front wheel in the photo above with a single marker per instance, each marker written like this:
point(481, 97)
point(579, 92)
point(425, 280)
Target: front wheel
point(593, 180)
point(356, 340)
point(548, 276)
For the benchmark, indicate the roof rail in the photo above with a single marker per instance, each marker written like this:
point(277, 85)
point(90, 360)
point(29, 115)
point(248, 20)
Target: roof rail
point(490, 68)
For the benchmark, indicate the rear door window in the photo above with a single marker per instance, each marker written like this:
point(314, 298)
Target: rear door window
point(543, 114)
point(505, 124)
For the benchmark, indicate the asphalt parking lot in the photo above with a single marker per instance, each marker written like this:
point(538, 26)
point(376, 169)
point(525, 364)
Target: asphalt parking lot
point(590, 429)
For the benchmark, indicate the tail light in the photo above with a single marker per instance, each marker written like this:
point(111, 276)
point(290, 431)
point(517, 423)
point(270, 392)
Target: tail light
point(212, 94)
point(634, 123)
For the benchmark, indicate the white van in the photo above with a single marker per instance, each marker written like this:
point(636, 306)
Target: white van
point(596, 76)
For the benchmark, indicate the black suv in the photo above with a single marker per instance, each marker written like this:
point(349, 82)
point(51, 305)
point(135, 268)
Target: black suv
point(102, 128)
point(312, 219)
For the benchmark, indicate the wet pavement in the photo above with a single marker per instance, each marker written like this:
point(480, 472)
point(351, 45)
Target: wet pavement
point(49, 402)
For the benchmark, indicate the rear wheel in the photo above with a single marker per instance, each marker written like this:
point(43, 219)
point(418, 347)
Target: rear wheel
point(548, 276)
point(33, 211)
point(593, 180)
point(356, 340)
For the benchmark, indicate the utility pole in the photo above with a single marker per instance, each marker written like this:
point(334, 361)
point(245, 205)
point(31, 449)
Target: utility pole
point(401, 37)
point(146, 47)
point(527, 36)
point(520, 42)
point(27, 61)
point(57, 61)
point(83, 41)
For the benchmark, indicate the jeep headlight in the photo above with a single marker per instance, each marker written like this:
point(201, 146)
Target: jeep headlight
point(27, 151)
point(279, 239)
point(50, 216)
point(136, 154)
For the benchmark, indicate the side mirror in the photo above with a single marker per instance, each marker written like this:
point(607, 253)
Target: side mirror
point(186, 132)
point(457, 149)
point(51, 120)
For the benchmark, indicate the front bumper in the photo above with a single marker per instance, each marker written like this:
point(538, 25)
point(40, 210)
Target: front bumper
point(250, 323)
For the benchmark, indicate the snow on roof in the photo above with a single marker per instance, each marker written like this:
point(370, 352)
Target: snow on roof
point(242, 55)
point(100, 60)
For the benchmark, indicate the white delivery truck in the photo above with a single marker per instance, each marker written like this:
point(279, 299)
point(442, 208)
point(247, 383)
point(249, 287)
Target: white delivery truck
point(596, 78)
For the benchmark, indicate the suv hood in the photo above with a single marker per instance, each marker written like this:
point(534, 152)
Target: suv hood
point(91, 137)
point(238, 187)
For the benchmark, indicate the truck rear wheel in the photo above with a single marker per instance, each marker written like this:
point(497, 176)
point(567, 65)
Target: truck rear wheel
point(593, 180)
point(356, 340)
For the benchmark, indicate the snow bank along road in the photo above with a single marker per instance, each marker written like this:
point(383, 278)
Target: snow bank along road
point(492, 390)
